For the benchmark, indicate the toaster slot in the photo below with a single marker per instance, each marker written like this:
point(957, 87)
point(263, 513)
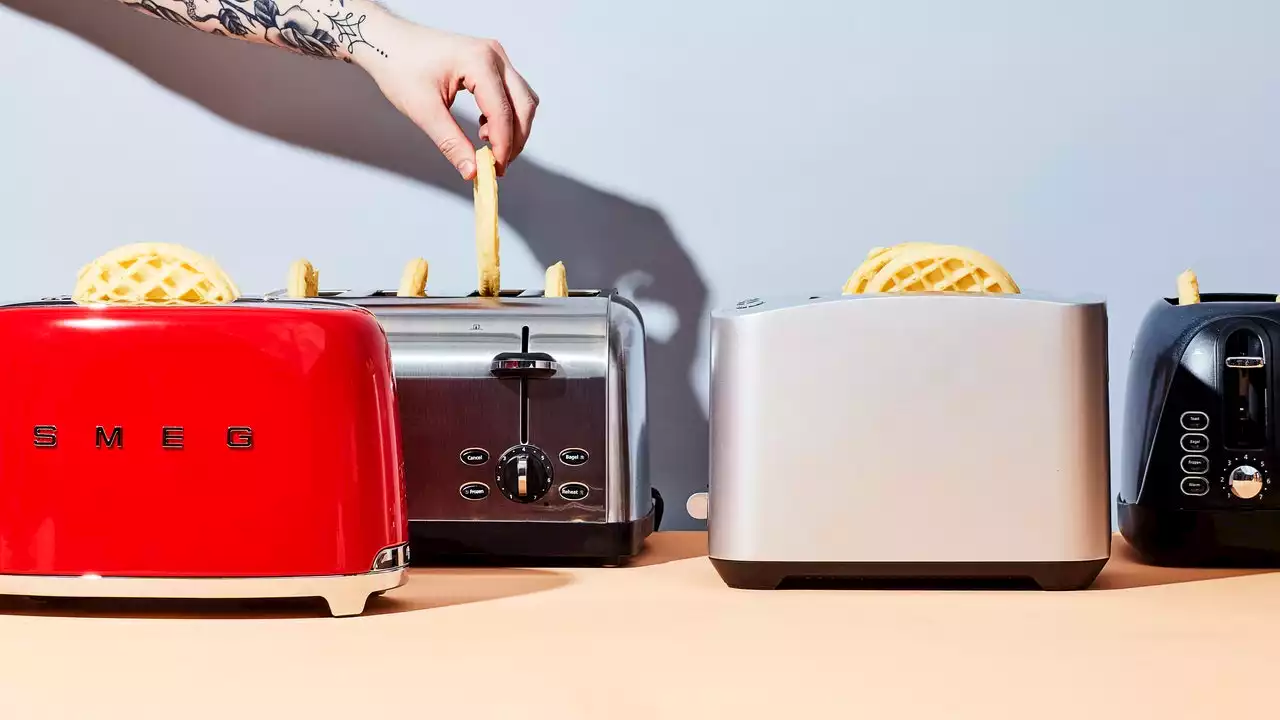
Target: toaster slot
point(1244, 390)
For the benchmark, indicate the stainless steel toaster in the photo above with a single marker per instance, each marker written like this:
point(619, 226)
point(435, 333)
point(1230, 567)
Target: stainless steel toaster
point(914, 436)
point(524, 424)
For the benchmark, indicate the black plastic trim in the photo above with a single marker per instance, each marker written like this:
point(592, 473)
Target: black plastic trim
point(479, 542)
point(1066, 575)
point(1202, 538)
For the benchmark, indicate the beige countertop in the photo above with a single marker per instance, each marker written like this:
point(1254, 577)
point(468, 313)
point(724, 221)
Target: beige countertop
point(662, 639)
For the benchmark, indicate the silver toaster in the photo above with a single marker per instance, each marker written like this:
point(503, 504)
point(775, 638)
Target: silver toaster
point(935, 437)
point(523, 420)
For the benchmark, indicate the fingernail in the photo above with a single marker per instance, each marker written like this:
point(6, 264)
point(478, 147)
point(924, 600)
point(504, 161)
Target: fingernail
point(466, 167)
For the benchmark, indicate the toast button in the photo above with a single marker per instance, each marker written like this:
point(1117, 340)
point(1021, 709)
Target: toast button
point(1194, 420)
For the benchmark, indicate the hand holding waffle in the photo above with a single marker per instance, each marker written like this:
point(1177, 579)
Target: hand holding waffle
point(485, 191)
point(926, 267)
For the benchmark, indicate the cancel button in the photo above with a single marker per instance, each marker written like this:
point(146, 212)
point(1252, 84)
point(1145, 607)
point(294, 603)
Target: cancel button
point(574, 491)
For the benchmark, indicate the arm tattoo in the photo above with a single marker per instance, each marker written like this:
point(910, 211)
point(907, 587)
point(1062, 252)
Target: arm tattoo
point(318, 28)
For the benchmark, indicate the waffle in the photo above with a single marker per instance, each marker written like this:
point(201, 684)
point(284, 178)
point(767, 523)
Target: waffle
point(556, 284)
point(1188, 288)
point(304, 280)
point(485, 190)
point(154, 274)
point(876, 259)
point(951, 268)
point(413, 282)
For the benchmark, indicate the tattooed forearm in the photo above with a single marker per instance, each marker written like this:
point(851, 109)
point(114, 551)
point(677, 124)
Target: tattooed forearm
point(319, 28)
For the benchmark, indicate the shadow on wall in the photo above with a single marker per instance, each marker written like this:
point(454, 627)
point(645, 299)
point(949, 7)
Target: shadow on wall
point(610, 242)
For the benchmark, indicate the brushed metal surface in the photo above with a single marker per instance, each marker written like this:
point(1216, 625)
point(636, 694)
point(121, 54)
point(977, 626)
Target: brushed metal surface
point(910, 428)
point(442, 349)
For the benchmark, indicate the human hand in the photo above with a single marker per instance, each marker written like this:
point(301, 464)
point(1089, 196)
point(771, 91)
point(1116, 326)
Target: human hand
point(423, 71)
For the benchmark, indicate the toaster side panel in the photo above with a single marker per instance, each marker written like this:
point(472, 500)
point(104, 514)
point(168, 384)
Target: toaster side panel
point(197, 442)
point(627, 414)
point(911, 429)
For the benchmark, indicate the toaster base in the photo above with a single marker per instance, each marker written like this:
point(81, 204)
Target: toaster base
point(751, 575)
point(1202, 538)
point(345, 594)
point(450, 542)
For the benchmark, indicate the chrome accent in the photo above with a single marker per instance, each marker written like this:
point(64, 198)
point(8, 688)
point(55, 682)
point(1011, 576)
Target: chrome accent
point(522, 475)
point(524, 366)
point(396, 556)
point(346, 595)
point(1246, 482)
point(1245, 362)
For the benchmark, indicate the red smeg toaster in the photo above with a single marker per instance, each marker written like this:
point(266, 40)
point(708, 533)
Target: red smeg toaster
point(240, 449)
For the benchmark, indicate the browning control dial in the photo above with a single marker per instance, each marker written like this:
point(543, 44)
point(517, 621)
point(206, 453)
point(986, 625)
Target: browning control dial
point(1246, 479)
point(524, 474)
point(1246, 482)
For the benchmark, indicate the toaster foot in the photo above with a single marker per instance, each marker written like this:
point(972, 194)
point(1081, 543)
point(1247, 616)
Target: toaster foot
point(1051, 576)
point(345, 594)
point(346, 604)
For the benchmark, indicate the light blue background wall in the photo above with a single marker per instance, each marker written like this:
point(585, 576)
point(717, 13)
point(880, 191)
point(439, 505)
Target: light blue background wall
point(719, 149)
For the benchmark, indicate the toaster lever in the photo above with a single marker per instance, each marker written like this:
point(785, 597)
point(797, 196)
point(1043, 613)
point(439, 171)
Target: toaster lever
point(1244, 362)
point(524, 364)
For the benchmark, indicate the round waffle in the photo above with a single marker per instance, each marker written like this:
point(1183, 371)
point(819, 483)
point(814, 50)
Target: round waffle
point(951, 268)
point(876, 259)
point(154, 274)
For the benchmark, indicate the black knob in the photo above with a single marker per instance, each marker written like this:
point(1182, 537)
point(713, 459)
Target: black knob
point(524, 474)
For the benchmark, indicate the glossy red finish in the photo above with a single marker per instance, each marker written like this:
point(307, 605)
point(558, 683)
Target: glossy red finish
point(320, 492)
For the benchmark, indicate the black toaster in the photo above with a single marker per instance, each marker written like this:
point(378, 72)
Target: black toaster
point(1200, 439)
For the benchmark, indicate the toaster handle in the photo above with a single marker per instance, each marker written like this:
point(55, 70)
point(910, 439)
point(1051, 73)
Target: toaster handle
point(524, 364)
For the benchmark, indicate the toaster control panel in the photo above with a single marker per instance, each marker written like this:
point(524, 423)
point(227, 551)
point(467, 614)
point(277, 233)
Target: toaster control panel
point(525, 441)
point(1216, 436)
